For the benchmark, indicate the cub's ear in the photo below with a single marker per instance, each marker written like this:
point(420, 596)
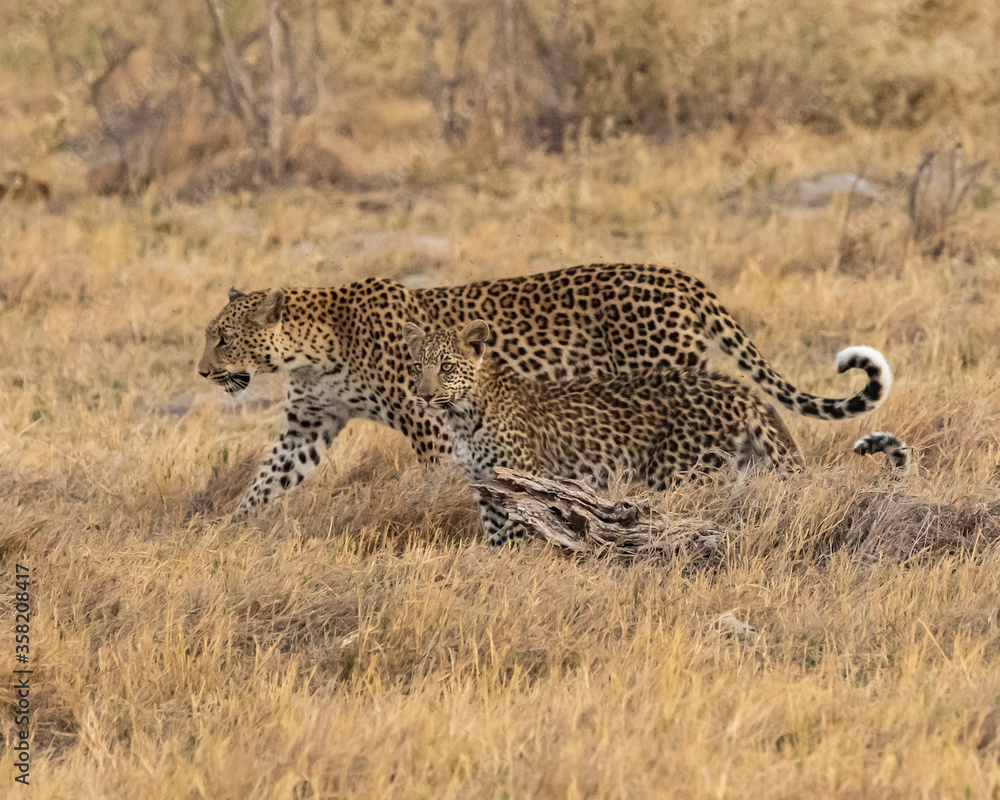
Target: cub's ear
point(475, 335)
point(414, 338)
point(235, 294)
point(269, 311)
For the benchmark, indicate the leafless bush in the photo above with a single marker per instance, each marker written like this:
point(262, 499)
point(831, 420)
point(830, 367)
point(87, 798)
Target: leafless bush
point(939, 185)
point(500, 77)
point(160, 111)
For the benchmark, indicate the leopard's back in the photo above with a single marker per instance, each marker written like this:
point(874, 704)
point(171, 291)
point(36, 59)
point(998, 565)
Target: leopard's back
point(608, 319)
point(595, 319)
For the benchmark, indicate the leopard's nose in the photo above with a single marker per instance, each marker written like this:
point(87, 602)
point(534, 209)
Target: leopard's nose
point(203, 373)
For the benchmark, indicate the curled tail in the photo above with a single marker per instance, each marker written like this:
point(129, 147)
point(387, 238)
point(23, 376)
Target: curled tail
point(733, 340)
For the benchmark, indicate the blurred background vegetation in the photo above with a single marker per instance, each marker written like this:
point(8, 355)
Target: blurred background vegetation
point(208, 96)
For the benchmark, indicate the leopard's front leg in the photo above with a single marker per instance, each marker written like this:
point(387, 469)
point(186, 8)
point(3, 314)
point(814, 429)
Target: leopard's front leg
point(427, 435)
point(310, 428)
point(498, 526)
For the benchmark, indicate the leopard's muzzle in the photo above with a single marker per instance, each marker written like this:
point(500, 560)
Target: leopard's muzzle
point(232, 382)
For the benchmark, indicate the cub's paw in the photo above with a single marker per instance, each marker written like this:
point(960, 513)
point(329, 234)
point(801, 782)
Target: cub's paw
point(498, 539)
point(243, 511)
point(508, 534)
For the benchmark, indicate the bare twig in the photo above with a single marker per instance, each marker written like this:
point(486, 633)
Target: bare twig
point(938, 189)
point(275, 127)
point(215, 80)
point(318, 57)
point(858, 178)
point(501, 62)
point(219, 94)
point(294, 98)
point(116, 53)
point(239, 84)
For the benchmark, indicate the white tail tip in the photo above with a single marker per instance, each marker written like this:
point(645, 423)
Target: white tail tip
point(867, 358)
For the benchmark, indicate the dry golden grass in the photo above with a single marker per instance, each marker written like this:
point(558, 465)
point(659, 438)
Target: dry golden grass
point(364, 642)
point(361, 641)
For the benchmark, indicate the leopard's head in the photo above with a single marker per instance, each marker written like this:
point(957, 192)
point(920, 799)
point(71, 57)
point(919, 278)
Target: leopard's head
point(244, 339)
point(445, 363)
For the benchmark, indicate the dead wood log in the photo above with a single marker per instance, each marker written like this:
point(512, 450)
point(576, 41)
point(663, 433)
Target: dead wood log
point(573, 517)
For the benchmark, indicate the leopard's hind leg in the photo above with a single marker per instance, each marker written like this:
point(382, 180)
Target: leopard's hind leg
point(766, 441)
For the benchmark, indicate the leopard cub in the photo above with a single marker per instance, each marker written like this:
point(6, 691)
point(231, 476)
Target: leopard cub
point(662, 424)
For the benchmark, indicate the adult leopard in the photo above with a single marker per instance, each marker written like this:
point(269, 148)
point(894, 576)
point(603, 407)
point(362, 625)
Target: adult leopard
point(344, 348)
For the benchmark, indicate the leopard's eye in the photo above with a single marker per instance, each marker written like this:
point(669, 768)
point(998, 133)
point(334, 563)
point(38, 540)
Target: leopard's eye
point(416, 369)
point(223, 339)
point(447, 366)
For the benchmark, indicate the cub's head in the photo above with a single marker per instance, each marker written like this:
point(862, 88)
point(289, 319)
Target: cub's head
point(243, 340)
point(445, 362)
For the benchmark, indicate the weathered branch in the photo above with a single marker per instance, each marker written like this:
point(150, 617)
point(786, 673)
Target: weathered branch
point(239, 84)
point(294, 99)
point(572, 516)
point(215, 79)
point(275, 128)
point(318, 64)
point(501, 62)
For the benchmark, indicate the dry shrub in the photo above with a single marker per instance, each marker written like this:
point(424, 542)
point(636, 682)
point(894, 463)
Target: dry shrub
point(682, 68)
point(247, 170)
point(940, 184)
point(914, 530)
point(19, 187)
point(873, 240)
point(569, 72)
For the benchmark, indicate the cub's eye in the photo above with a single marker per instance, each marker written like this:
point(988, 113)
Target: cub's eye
point(223, 340)
point(447, 366)
point(416, 369)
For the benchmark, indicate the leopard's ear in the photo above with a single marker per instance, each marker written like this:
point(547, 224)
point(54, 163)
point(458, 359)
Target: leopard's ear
point(235, 294)
point(476, 334)
point(269, 311)
point(414, 338)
